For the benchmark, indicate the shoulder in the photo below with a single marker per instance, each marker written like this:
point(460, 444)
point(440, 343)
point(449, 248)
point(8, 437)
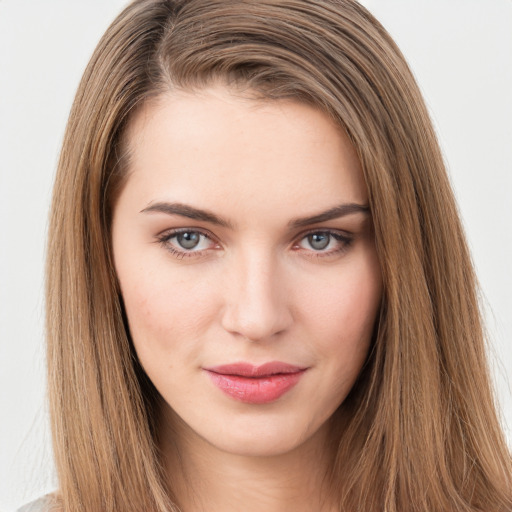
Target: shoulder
point(43, 504)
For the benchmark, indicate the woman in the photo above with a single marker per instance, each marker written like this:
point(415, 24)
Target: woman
point(259, 293)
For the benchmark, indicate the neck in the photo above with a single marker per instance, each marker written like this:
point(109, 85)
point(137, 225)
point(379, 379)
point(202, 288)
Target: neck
point(206, 479)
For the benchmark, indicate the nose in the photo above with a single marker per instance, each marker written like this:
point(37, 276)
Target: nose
point(256, 306)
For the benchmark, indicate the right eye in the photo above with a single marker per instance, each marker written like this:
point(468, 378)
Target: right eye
point(186, 242)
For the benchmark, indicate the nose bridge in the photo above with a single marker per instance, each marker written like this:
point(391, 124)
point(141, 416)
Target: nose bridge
point(256, 307)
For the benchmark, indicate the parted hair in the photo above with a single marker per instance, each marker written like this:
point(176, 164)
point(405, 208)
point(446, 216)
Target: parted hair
point(419, 431)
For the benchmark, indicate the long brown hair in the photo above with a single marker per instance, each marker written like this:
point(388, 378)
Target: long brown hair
point(419, 430)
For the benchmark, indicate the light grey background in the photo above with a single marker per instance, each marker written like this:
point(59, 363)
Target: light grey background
point(461, 53)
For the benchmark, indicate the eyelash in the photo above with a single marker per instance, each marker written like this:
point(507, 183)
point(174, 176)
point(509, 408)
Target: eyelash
point(343, 239)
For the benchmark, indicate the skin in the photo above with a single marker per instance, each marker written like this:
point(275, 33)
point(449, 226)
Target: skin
point(253, 290)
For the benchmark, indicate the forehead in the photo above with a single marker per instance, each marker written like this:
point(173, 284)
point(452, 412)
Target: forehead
point(218, 147)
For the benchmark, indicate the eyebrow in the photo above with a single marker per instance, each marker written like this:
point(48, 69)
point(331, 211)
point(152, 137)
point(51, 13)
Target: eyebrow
point(187, 211)
point(190, 212)
point(332, 213)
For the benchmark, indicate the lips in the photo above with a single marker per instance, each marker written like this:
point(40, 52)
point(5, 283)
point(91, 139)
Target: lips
point(255, 384)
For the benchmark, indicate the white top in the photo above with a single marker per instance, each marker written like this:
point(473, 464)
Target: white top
point(40, 505)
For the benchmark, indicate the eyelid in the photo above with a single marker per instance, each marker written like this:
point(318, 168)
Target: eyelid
point(170, 232)
point(309, 231)
point(330, 231)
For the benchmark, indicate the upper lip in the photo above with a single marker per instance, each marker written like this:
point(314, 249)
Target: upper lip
point(249, 370)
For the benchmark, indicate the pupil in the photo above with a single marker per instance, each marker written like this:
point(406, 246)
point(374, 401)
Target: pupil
point(318, 241)
point(188, 240)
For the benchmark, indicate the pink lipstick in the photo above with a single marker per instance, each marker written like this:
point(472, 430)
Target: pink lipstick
point(255, 384)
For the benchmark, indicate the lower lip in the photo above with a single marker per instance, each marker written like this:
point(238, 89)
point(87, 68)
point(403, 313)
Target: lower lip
point(256, 390)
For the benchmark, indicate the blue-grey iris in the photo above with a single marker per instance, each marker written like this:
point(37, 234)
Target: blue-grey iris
point(188, 239)
point(319, 241)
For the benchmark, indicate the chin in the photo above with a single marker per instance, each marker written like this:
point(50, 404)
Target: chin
point(267, 431)
point(262, 444)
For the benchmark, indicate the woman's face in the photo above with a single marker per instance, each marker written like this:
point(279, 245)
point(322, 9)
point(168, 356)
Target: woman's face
point(247, 265)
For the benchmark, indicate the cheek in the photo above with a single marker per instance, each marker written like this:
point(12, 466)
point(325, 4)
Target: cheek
point(342, 314)
point(164, 309)
point(163, 333)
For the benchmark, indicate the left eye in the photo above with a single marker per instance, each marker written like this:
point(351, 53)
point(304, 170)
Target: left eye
point(323, 241)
